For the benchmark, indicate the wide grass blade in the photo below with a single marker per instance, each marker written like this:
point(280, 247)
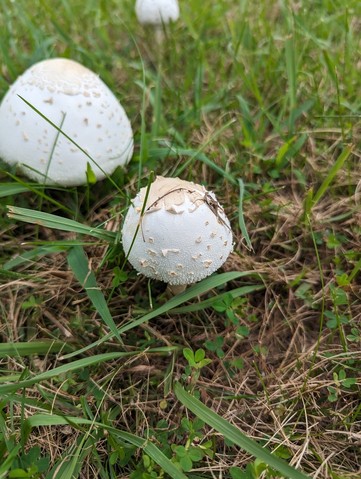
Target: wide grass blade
point(20, 186)
point(33, 347)
point(79, 264)
point(12, 189)
point(32, 255)
point(234, 434)
point(58, 222)
point(13, 276)
point(78, 364)
point(290, 148)
point(65, 368)
point(209, 283)
point(332, 173)
point(44, 248)
point(194, 291)
point(145, 444)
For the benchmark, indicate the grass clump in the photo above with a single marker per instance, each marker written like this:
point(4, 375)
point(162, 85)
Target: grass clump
point(253, 372)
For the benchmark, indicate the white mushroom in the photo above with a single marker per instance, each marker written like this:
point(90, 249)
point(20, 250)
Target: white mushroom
point(75, 100)
point(156, 12)
point(183, 235)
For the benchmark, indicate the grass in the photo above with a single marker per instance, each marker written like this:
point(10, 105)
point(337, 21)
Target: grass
point(253, 372)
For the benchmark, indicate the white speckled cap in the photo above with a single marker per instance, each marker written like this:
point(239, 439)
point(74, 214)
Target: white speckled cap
point(76, 100)
point(156, 12)
point(184, 234)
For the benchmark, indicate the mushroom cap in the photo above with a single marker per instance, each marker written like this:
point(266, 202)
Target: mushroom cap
point(156, 12)
point(183, 236)
point(77, 101)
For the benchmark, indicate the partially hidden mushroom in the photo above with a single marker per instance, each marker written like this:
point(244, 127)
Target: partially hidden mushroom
point(79, 103)
point(156, 12)
point(182, 236)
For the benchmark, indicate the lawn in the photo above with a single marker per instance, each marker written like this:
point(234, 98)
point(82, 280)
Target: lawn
point(253, 372)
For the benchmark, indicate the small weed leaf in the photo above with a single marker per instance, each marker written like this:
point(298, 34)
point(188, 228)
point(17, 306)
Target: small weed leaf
point(223, 304)
point(186, 456)
point(332, 396)
point(354, 336)
point(196, 360)
point(216, 346)
point(334, 320)
point(242, 331)
point(237, 473)
point(199, 355)
point(339, 296)
point(189, 355)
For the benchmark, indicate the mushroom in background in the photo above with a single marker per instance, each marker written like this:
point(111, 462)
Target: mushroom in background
point(82, 106)
point(183, 235)
point(156, 12)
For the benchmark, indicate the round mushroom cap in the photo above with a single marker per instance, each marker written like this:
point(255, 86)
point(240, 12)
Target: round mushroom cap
point(75, 100)
point(156, 12)
point(183, 235)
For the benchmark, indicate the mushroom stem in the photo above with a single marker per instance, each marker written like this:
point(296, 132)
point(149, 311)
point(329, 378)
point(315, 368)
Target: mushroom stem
point(159, 36)
point(174, 289)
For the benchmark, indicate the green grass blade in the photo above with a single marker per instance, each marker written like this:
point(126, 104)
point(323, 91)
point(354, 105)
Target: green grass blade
point(33, 347)
point(65, 368)
point(193, 292)
point(241, 222)
point(247, 122)
point(354, 271)
point(150, 180)
point(10, 189)
point(73, 460)
point(174, 152)
point(290, 54)
point(78, 263)
point(44, 248)
point(59, 223)
point(7, 463)
point(332, 70)
point(332, 173)
point(234, 434)
point(207, 303)
point(284, 149)
point(35, 188)
point(148, 447)
point(32, 255)
point(12, 275)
